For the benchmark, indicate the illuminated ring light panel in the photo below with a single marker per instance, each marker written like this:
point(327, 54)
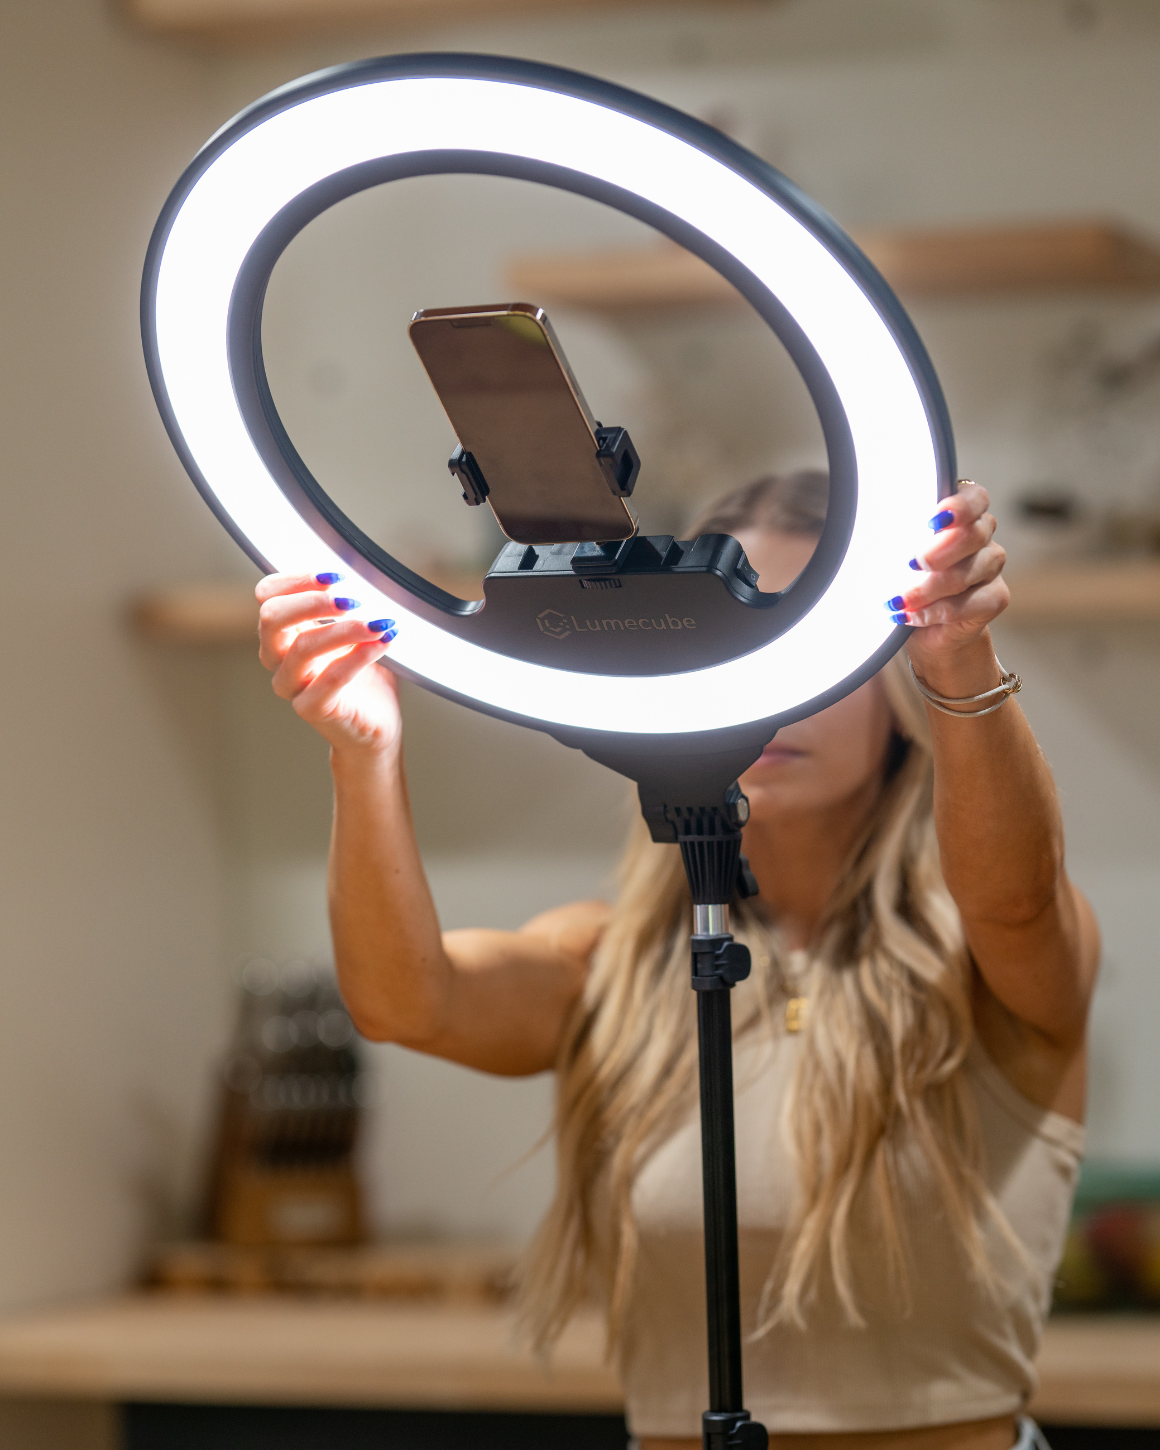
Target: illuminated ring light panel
point(558, 123)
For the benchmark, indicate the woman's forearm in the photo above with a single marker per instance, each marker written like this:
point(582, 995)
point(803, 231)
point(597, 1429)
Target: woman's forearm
point(996, 812)
point(394, 973)
point(492, 1000)
point(1000, 835)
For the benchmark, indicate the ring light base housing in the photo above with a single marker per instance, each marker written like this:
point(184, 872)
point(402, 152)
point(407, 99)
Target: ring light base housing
point(650, 606)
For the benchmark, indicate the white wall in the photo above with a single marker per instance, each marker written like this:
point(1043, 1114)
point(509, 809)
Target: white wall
point(111, 882)
point(164, 816)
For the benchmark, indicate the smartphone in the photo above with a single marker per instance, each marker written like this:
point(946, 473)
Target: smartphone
point(528, 442)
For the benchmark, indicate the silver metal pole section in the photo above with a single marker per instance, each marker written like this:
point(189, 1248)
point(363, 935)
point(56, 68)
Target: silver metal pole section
point(711, 920)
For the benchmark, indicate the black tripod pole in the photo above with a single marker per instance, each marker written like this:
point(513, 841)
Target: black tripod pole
point(711, 848)
point(708, 830)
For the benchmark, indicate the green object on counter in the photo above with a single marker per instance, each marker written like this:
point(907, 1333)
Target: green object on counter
point(1107, 1181)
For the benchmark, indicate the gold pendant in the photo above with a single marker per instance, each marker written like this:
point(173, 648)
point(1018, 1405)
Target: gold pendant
point(795, 1013)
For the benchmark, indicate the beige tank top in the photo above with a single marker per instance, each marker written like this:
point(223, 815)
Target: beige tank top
point(960, 1353)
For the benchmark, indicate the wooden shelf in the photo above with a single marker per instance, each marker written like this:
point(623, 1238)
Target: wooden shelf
point(255, 21)
point(1062, 256)
point(1093, 592)
point(198, 614)
point(218, 614)
point(964, 261)
point(633, 279)
point(462, 1273)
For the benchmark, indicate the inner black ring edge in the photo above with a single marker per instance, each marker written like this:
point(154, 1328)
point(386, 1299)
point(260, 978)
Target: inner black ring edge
point(310, 500)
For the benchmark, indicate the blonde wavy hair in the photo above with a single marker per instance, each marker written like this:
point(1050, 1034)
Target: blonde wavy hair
point(878, 1103)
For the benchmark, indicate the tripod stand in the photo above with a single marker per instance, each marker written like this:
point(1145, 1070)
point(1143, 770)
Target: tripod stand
point(709, 836)
point(710, 842)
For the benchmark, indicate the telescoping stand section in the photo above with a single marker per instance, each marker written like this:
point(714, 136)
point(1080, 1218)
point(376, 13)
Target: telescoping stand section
point(682, 711)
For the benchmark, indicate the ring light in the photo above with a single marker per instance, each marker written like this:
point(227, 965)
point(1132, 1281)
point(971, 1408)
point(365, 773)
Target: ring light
point(290, 156)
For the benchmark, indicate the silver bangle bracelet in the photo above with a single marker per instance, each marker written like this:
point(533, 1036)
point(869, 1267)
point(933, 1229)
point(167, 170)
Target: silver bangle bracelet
point(1009, 684)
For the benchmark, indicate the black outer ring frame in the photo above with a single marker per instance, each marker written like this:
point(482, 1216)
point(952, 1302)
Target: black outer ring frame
point(418, 593)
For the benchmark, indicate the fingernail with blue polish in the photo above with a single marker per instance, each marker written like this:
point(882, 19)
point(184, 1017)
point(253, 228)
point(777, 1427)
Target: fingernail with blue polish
point(941, 520)
point(914, 564)
point(330, 577)
point(898, 618)
point(390, 634)
point(376, 626)
point(345, 604)
point(896, 603)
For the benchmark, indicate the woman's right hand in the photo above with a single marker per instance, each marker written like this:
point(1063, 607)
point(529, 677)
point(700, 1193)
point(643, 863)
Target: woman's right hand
point(322, 667)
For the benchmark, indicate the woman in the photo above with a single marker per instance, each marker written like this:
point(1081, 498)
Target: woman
point(911, 1046)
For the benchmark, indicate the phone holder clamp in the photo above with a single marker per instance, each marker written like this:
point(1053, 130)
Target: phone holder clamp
point(464, 469)
point(618, 458)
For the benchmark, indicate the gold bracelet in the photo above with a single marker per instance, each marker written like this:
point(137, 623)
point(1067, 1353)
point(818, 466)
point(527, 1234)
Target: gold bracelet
point(1009, 684)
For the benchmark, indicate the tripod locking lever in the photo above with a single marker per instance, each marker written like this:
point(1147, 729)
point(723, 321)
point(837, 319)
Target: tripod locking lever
point(719, 962)
point(732, 1430)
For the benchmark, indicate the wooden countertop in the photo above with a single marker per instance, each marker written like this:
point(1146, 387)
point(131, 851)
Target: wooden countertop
point(1100, 1369)
point(275, 1349)
point(281, 1350)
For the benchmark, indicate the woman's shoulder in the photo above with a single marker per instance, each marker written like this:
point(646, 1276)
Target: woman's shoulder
point(574, 930)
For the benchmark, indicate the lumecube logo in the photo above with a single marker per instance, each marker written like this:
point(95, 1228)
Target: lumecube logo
point(553, 623)
point(560, 626)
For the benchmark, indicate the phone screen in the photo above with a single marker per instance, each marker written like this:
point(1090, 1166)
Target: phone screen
point(516, 407)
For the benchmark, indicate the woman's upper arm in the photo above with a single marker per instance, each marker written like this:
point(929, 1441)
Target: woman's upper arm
point(511, 992)
point(1042, 970)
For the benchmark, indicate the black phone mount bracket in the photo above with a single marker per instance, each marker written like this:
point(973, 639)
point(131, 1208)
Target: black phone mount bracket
point(615, 453)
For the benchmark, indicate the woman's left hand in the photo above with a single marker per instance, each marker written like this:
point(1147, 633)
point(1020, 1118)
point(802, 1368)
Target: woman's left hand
point(961, 588)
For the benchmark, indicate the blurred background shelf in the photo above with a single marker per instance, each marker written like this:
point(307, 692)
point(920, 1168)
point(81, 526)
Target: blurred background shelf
point(450, 1273)
point(1094, 591)
point(198, 614)
point(1064, 256)
point(227, 613)
point(253, 21)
